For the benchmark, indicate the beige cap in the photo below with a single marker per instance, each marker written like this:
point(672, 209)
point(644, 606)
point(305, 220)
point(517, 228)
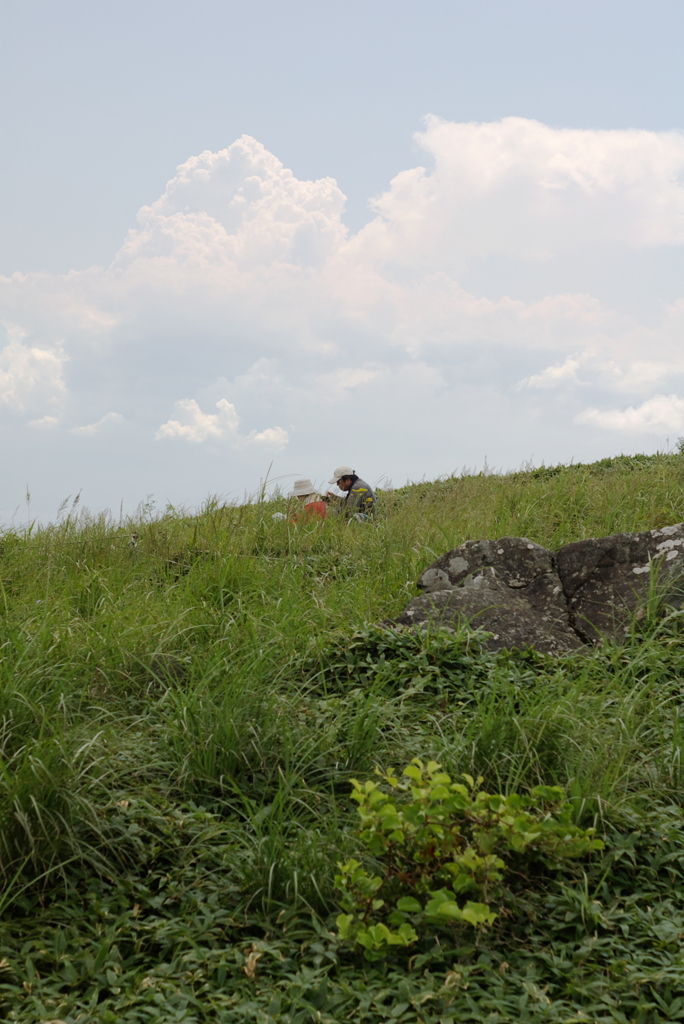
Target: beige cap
point(340, 472)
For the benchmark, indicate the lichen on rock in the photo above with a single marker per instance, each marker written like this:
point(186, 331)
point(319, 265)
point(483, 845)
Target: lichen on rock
point(525, 595)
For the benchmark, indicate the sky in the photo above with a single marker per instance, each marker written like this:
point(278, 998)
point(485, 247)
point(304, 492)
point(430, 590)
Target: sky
point(250, 242)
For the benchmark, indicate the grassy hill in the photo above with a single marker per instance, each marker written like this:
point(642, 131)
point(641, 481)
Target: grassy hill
point(184, 701)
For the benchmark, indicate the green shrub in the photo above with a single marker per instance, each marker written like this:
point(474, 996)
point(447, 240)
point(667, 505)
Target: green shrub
point(438, 841)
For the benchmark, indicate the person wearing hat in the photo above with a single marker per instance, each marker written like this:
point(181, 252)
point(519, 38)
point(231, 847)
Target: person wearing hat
point(307, 494)
point(359, 499)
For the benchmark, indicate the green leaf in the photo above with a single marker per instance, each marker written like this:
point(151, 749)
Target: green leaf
point(478, 914)
point(449, 909)
point(554, 794)
point(408, 934)
point(409, 905)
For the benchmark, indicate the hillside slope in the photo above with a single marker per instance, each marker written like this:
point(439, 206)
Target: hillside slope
point(185, 699)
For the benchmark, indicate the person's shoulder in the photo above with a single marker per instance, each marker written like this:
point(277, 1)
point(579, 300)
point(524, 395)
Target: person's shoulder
point(361, 485)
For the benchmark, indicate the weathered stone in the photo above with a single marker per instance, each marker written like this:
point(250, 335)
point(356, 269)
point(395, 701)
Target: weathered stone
point(607, 580)
point(525, 595)
point(517, 561)
point(515, 616)
point(507, 586)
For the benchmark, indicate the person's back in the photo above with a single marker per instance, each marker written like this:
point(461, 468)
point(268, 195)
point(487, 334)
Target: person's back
point(359, 498)
point(316, 508)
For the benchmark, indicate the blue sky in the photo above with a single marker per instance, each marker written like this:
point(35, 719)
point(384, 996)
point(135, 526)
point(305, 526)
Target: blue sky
point(378, 352)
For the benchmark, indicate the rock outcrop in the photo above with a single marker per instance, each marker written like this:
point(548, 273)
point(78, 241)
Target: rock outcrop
point(525, 595)
point(607, 581)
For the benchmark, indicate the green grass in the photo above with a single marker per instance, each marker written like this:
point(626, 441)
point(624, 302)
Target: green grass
point(184, 700)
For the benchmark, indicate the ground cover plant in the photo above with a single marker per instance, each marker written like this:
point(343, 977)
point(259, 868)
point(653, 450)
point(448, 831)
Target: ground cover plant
point(186, 699)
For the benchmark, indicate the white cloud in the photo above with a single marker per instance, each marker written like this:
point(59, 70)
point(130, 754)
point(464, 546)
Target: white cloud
point(658, 415)
point(346, 378)
point(108, 420)
point(44, 423)
point(238, 246)
point(29, 376)
point(521, 188)
point(194, 425)
point(552, 376)
point(238, 209)
point(274, 438)
point(197, 426)
point(641, 374)
point(488, 307)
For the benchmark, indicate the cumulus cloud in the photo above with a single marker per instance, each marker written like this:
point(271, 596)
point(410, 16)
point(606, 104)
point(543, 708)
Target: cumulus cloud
point(552, 376)
point(495, 301)
point(108, 420)
point(239, 208)
point(196, 426)
point(29, 375)
point(273, 438)
point(44, 423)
point(659, 415)
point(521, 188)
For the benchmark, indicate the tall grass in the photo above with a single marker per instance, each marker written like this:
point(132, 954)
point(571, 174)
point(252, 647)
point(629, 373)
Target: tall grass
point(226, 663)
point(185, 697)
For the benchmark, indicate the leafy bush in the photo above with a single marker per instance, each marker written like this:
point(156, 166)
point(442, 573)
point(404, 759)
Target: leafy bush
point(439, 841)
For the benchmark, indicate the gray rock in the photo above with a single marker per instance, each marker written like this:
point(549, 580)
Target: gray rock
point(486, 601)
point(517, 561)
point(525, 595)
point(508, 587)
point(606, 580)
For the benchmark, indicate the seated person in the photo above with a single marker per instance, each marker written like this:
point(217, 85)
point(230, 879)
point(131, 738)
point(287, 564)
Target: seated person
point(359, 499)
point(310, 499)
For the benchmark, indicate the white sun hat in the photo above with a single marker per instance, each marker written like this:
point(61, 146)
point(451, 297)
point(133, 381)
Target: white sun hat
point(340, 472)
point(303, 487)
